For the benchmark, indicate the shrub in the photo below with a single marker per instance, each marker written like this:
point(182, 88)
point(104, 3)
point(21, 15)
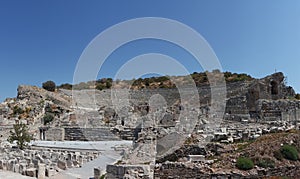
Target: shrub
point(244, 163)
point(108, 84)
point(66, 86)
point(49, 86)
point(47, 119)
point(297, 96)
point(17, 110)
point(100, 87)
point(289, 152)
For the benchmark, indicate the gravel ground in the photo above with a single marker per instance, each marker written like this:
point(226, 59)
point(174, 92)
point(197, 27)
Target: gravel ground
point(11, 175)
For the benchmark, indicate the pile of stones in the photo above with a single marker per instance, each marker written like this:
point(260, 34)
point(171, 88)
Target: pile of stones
point(43, 163)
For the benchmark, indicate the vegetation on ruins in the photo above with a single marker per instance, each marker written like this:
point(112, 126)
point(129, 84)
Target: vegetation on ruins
point(47, 119)
point(200, 78)
point(20, 135)
point(17, 110)
point(244, 163)
point(65, 86)
point(100, 87)
point(289, 152)
point(297, 96)
point(49, 86)
point(104, 83)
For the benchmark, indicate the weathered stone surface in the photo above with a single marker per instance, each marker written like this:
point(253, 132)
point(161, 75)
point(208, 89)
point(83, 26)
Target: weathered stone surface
point(31, 172)
point(98, 173)
point(62, 165)
point(128, 171)
point(41, 171)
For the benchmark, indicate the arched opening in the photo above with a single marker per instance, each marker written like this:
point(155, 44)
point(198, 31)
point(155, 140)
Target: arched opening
point(274, 88)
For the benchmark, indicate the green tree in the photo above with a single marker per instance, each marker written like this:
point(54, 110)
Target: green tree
point(20, 134)
point(49, 86)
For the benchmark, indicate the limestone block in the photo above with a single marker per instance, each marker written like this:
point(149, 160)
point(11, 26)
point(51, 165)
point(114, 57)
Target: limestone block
point(38, 157)
point(1, 165)
point(22, 168)
point(10, 165)
point(16, 168)
point(41, 171)
point(50, 172)
point(47, 161)
point(31, 172)
point(76, 163)
point(97, 173)
point(69, 163)
point(62, 165)
point(196, 158)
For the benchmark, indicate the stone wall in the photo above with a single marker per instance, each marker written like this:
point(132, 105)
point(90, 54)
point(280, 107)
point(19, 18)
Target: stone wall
point(55, 134)
point(277, 110)
point(128, 171)
point(89, 134)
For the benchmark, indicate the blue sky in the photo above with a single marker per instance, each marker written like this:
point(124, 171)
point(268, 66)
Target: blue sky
point(43, 40)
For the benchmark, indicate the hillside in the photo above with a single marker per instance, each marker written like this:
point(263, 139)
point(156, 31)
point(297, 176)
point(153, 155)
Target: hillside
point(200, 79)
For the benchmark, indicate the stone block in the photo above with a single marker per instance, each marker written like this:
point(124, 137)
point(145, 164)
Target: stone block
point(1, 165)
point(41, 171)
point(97, 173)
point(10, 165)
point(50, 171)
point(69, 163)
point(35, 162)
point(22, 168)
point(16, 168)
point(196, 158)
point(31, 172)
point(61, 165)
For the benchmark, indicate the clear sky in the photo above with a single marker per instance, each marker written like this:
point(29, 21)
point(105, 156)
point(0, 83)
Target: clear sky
point(43, 40)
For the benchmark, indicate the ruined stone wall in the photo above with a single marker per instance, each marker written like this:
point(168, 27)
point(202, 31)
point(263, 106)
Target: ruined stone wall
point(180, 153)
point(89, 134)
point(55, 134)
point(128, 171)
point(275, 110)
